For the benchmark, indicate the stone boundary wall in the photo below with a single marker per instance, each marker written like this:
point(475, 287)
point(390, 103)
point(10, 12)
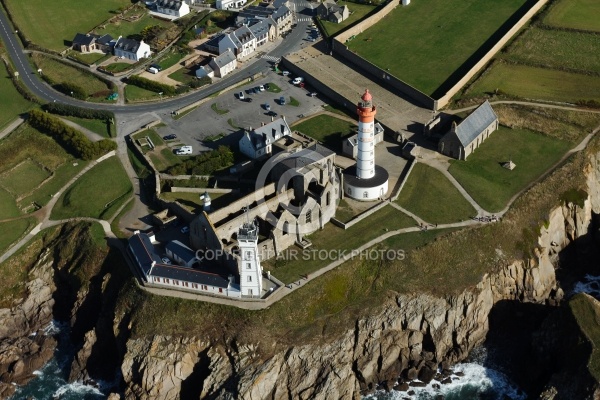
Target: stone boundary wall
point(359, 217)
point(176, 189)
point(247, 200)
point(413, 163)
point(368, 22)
point(491, 53)
point(183, 177)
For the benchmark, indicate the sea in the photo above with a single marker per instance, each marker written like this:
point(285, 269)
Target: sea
point(471, 380)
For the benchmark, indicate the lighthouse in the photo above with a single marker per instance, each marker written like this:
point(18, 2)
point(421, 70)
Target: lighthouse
point(366, 181)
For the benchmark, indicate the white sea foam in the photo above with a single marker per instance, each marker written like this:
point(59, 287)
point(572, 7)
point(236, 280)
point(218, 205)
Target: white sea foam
point(476, 381)
point(76, 388)
point(589, 285)
point(37, 373)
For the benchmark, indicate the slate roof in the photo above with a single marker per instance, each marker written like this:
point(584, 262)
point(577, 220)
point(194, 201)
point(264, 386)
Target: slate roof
point(279, 3)
point(83, 39)
point(475, 123)
point(129, 45)
point(214, 42)
point(105, 39)
point(259, 29)
point(170, 4)
point(307, 156)
point(269, 133)
point(181, 250)
point(280, 13)
point(255, 11)
point(141, 246)
point(224, 59)
point(243, 34)
point(204, 71)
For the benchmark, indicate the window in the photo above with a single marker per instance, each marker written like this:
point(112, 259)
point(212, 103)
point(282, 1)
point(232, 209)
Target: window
point(248, 266)
point(195, 285)
point(366, 194)
point(220, 290)
point(309, 216)
point(167, 281)
point(185, 284)
point(248, 255)
point(176, 282)
point(249, 279)
point(328, 198)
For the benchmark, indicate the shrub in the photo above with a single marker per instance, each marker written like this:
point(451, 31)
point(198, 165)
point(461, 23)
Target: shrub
point(71, 89)
point(574, 196)
point(206, 163)
point(74, 111)
point(151, 85)
point(71, 139)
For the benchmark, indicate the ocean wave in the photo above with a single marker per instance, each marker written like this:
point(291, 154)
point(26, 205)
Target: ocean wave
point(590, 285)
point(76, 388)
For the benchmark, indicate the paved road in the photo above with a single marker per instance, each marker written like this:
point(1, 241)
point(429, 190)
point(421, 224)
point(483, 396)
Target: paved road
point(31, 79)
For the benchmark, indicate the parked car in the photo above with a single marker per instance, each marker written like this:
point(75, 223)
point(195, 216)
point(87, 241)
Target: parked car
point(256, 89)
point(298, 80)
point(185, 229)
point(313, 94)
point(261, 88)
point(267, 107)
point(165, 260)
point(272, 114)
point(153, 70)
point(282, 100)
point(170, 137)
point(285, 73)
point(158, 67)
point(267, 86)
point(184, 150)
point(241, 95)
point(249, 99)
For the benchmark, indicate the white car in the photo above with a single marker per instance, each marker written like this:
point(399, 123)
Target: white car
point(298, 80)
point(184, 150)
point(241, 96)
point(285, 73)
point(261, 88)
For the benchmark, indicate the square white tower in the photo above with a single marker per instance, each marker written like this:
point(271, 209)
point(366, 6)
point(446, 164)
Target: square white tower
point(249, 262)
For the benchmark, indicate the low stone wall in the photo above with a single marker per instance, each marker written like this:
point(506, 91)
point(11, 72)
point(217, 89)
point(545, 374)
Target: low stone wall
point(412, 164)
point(368, 22)
point(360, 217)
point(175, 189)
point(184, 177)
point(490, 54)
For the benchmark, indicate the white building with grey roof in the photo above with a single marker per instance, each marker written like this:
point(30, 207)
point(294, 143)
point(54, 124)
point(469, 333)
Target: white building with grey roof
point(172, 8)
point(257, 143)
point(241, 41)
point(132, 49)
point(464, 138)
point(223, 64)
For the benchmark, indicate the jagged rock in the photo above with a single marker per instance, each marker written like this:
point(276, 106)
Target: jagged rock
point(426, 374)
point(114, 396)
point(79, 363)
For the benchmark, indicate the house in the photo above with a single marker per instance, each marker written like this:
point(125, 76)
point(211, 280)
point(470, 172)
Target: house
point(257, 143)
point(204, 71)
point(180, 253)
point(241, 41)
point(328, 10)
point(350, 145)
point(172, 8)
point(132, 49)
point(464, 138)
point(227, 4)
point(87, 43)
point(157, 273)
point(223, 64)
point(280, 17)
point(263, 31)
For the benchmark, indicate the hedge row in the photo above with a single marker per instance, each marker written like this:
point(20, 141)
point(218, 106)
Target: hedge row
point(74, 111)
point(206, 163)
point(151, 85)
point(71, 139)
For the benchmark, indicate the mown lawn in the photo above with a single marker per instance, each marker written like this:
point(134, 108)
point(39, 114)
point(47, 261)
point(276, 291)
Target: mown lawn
point(126, 28)
point(357, 12)
point(24, 178)
point(491, 185)
point(183, 75)
point(50, 24)
point(557, 49)
point(425, 43)
point(576, 14)
point(117, 67)
point(171, 59)
point(332, 238)
point(11, 102)
point(326, 129)
point(431, 196)
point(102, 128)
point(97, 194)
point(12, 231)
point(538, 83)
point(8, 206)
point(134, 93)
point(88, 58)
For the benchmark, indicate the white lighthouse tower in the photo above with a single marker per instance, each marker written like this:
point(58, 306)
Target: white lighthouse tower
point(366, 181)
point(249, 262)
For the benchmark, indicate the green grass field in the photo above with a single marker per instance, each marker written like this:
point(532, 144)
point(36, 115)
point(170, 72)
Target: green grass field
point(183, 75)
point(117, 67)
point(12, 231)
point(8, 206)
point(333, 238)
point(425, 43)
point(326, 129)
point(134, 93)
point(491, 185)
point(431, 196)
point(126, 28)
point(357, 12)
point(97, 194)
point(537, 83)
point(576, 14)
point(60, 72)
point(171, 59)
point(50, 24)
point(23, 178)
point(557, 49)
point(11, 102)
point(89, 58)
point(94, 125)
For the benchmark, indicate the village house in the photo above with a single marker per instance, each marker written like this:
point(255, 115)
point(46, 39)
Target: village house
point(132, 49)
point(88, 43)
point(257, 143)
point(464, 138)
point(280, 17)
point(241, 41)
point(172, 8)
point(228, 4)
point(219, 66)
point(263, 32)
point(328, 10)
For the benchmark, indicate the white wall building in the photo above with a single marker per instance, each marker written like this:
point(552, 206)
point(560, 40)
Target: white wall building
point(249, 262)
point(132, 49)
point(227, 4)
point(259, 142)
point(173, 8)
point(241, 41)
point(224, 63)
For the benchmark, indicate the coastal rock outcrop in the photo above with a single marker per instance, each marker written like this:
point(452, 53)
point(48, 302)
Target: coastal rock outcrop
point(24, 346)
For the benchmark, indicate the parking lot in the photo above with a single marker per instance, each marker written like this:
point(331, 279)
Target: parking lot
point(226, 114)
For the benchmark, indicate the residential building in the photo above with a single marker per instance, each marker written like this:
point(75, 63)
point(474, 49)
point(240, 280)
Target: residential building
point(281, 17)
point(132, 49)
point(257, 143)
point(223, 64)
point(263, 31)
point(205, 70)
point(157, 273)
point(228, 4)
point(87, 43)
point(464, 138)
point(241, 41)
point(172, 8)
point(330, 11)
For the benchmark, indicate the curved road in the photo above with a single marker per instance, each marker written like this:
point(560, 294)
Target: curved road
point(31, 79)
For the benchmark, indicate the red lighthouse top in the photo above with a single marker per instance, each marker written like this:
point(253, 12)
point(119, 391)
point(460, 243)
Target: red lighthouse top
point(367, 96)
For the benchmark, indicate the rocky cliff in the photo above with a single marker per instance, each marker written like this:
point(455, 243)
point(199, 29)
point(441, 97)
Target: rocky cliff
point(24, 346)
point(410, 337)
